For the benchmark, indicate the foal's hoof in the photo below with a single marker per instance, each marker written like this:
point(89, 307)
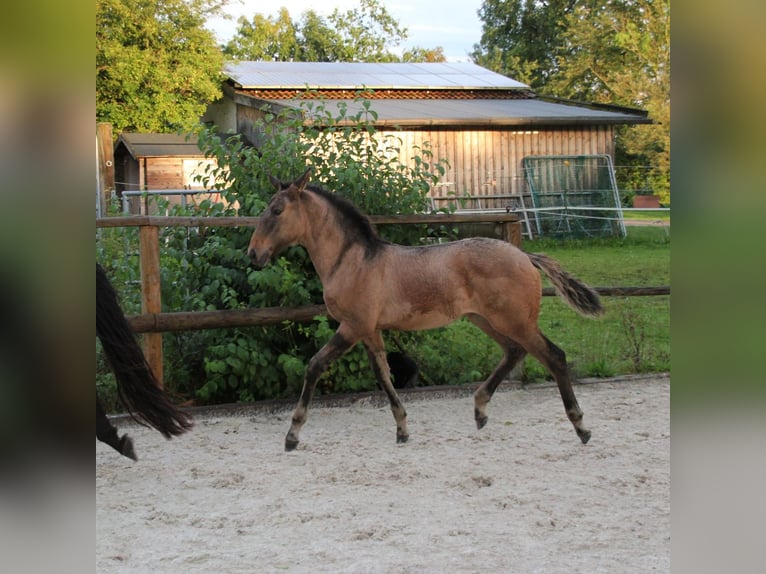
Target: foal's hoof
point(291, 444)
point(584, 435)
point(481, 421)
point(126, 447)
point(400, 439)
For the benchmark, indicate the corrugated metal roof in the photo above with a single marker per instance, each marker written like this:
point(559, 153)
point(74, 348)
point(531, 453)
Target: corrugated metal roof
point(507, 112)
point(354, 75)
point(160, 145)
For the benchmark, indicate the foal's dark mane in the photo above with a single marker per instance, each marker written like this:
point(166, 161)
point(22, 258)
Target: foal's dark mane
point(355, 224)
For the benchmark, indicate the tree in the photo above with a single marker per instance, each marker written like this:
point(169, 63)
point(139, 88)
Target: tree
point(264, 38)
point(157, 67)
point(367, 33)
point(521, 38)
point(619, 52)
point(418, 54)
point(606, 51)
point(318, 41)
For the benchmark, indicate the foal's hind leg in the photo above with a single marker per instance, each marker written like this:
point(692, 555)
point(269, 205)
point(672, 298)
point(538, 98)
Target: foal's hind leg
point(513, 354)
point(377, 352)
point(335, 348)
point(554, 359)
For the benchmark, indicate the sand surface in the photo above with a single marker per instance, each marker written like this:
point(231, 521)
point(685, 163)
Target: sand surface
point(521, 495)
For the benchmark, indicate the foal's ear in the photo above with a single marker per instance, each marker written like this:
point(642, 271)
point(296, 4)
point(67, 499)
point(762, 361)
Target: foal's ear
point(301, 182)
point(275, 182)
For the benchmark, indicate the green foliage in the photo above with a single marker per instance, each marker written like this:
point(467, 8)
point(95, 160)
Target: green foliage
point(365, 33)
point(266, 38)
point(157, 67)
point(419, 54)
point(600, 51)
point(520, 38)
point(368, 32)
point(454, 355)
point(619, 52)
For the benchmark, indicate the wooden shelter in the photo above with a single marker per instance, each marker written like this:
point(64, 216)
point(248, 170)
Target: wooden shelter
point(484, 124)
point(153, 162)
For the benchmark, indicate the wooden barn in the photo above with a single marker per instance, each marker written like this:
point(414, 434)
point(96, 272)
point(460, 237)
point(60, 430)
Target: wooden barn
point(484, 124)
point(153, 162)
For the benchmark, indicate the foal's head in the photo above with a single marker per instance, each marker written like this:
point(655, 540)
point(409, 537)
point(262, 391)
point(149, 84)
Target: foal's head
point(281, 223)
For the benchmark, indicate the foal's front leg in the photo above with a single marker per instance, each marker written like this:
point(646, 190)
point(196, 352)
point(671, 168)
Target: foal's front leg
point(377, 353)
point(336, 347)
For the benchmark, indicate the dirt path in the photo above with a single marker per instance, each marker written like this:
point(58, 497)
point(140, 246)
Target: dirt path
point(521, 495)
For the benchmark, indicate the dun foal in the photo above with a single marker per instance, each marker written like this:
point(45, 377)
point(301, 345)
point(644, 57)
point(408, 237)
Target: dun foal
point(371, 285)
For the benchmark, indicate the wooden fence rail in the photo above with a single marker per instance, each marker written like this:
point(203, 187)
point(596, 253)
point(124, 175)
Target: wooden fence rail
point(199, 320)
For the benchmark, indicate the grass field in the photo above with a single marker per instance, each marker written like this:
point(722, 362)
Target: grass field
point(649, 215)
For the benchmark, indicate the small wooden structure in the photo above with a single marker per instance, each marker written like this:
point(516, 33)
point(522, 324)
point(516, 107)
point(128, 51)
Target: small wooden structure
point(150, 162)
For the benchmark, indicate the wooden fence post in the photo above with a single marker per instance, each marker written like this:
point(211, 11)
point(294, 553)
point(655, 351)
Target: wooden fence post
point(151, 298)
point(512, 232)
point(105, 164)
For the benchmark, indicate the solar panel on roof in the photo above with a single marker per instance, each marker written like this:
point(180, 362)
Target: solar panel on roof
point(372, 75)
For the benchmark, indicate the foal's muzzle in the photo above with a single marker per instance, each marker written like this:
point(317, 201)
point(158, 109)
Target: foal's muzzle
point(258, 260)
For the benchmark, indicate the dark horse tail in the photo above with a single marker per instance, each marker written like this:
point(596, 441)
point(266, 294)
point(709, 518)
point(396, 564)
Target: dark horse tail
point(137, 387)
point(577, 294)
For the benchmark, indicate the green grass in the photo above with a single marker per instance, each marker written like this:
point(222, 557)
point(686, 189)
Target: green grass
point(646, 215)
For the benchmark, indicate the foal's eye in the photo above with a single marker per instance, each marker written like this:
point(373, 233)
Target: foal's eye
point(276, 210)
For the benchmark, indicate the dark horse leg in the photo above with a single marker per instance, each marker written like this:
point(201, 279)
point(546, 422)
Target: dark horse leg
point(542, 349)
point(107, 433)
point(554, 359)
point(376, 350)
point(404, 371)
point(513, 354)
point(335, 348)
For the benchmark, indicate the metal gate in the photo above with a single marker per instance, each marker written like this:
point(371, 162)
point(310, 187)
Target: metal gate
point(574, 196)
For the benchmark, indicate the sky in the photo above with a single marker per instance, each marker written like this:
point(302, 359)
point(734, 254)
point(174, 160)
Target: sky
point(452, 24)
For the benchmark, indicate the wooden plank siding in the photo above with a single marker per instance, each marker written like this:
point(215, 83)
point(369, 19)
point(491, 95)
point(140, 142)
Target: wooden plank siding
point(485, 163)
point(164, 173)
point(482, 162)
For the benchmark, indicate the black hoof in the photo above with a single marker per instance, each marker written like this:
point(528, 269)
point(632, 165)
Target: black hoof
point(290, 444)
point(481, 421)
point(584, 436)
point(126, 447)
point(402, 439)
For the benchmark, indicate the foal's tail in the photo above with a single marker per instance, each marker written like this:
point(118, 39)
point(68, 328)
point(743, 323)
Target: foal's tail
point(137, 386)
point(577, 294)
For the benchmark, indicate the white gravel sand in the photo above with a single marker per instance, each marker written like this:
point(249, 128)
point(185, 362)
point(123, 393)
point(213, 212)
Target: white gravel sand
point(521, 495)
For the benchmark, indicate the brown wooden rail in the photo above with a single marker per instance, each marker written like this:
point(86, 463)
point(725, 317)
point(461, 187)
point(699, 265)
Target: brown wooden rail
point(198, 320)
